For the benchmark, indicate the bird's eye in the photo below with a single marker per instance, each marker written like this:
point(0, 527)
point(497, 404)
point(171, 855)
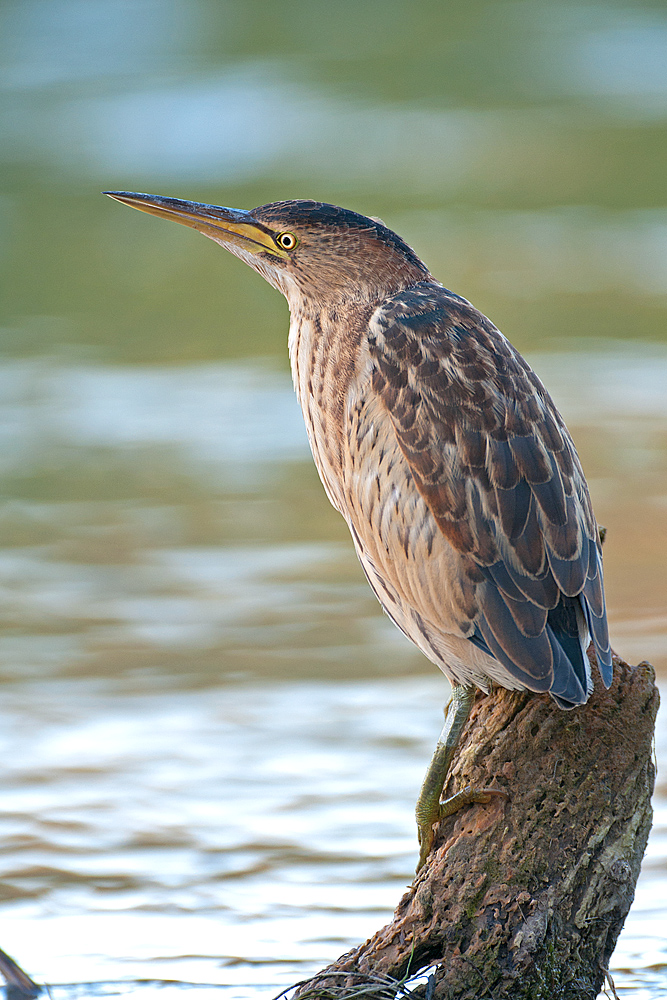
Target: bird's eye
point(286, 240)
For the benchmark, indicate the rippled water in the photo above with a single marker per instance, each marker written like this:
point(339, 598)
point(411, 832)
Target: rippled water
point(211, 739)
point(170, 518)
point(240, 836)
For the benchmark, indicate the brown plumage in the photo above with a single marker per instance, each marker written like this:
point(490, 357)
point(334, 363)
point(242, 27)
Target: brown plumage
point(440, 447)
point(437, 443)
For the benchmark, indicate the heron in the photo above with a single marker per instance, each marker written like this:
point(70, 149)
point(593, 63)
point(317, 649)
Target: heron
point(444, 453)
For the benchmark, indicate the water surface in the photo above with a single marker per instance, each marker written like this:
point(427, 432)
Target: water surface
point(212, 738)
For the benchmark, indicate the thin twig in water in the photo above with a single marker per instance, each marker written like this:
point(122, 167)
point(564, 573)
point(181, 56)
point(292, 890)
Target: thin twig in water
point(372, 986)
point(609, 983)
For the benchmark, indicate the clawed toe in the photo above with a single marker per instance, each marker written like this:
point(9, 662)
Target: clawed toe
point(467, 796)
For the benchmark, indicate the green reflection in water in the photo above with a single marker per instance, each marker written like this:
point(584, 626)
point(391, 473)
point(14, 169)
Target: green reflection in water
point(521, 148)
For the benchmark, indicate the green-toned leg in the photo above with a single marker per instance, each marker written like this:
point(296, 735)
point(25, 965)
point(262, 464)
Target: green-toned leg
point(430, 810)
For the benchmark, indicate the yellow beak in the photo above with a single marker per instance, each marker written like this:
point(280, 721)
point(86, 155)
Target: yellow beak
point(224, 225)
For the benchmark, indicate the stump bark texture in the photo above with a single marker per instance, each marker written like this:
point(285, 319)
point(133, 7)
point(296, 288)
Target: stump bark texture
point(526, 897)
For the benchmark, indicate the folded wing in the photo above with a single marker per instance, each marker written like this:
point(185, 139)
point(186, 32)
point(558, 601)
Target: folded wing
point(490, 455)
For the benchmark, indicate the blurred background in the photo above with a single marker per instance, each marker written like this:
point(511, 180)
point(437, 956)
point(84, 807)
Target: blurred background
point(212, 739)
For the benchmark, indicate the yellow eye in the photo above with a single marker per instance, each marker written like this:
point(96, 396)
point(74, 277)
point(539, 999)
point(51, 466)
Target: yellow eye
point(286, 240)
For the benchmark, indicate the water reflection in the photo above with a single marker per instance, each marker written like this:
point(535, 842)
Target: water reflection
point(222, 419)
point(281, 842)
point(234, 835)
point(172, 577)
point(192, 542)
point(290, 111)
point(529, 254)
point(176, 802)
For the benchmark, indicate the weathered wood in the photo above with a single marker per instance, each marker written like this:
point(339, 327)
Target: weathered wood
point(525, 898)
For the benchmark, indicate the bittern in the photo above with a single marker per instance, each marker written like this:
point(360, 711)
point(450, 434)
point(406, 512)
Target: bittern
point(443, 451)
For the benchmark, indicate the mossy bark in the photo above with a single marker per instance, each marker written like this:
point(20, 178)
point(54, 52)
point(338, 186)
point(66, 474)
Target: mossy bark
point(525, 898)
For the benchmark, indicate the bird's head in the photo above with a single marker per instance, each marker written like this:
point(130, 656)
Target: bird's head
point(305, 249)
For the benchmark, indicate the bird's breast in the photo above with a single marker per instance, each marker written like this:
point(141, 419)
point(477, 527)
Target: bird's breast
point(368, 480)
point(327, 366)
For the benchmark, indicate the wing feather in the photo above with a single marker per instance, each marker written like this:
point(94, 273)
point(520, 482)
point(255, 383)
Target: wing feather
point(490, 455)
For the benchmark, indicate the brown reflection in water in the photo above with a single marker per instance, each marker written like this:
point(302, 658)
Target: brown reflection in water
point(151, 807)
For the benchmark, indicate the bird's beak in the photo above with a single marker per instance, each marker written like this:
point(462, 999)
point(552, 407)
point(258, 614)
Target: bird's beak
point(224, 225)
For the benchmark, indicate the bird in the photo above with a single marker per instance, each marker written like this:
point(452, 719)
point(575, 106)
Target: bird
point(444, 453)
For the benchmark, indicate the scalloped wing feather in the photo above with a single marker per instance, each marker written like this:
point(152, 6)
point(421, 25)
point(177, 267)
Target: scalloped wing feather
point(492, 458)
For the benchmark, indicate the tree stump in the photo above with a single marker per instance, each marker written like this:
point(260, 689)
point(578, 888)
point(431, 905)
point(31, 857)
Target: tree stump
point(525, 898)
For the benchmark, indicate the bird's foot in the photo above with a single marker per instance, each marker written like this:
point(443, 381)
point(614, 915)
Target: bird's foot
point(466, 797)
